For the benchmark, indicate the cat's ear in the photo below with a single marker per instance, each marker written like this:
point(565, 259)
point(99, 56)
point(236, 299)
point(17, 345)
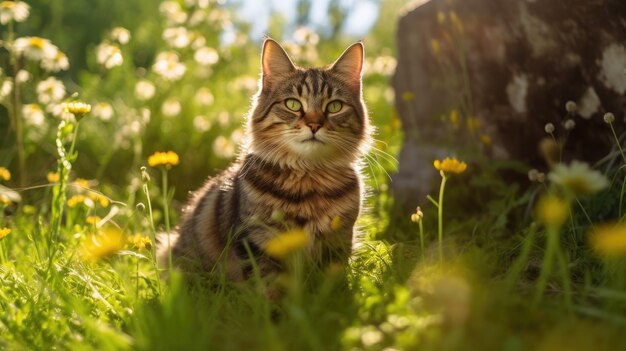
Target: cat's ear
point(275, 62)
point(350, 65)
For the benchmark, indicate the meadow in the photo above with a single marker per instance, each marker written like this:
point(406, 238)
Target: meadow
point(104, 131)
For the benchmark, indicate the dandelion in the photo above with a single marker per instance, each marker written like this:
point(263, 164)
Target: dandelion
point(569, 124)
point(578, 179)
point(177, 37)
point(609, 239)
point(450, 165)
point(609, 117)
point(120, 35)
point(571, 107)
point(92, 220)
point(33, 114)
point(167, 159)
point(168, 66)
point(4, 232)
point(284, 244)
point(552, 211)
point(140, 242)
point(206, 56)
point(53, 177)
point(109, 55)
point(78, 108)
point(35, 48)
point(103, 244)
point(50, 90)
point(549, 128)
point(56, 63)
point(171, 108)
point(103, 110)
point(16, 11)
point(5, 174)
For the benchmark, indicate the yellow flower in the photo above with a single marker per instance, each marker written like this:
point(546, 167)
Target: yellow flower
point(552, 211)
point(609, 239)
point(4, 232)
point(4, 200)
point(99, 198)
point(75, 201)
point(106, 243)
point(168, 159)
point(81, 183)
point(436, 46)
point(458, 25)
point(335, 224)
point(454, 118)
point(578, 178)
point(140, 242)
point(286, 243)
point(53, 177)
point(473, 124)
point(77, 108)
point(450, 165)
point(5, 174)
point(485, 139)
point(408, 96)
point(93, 220)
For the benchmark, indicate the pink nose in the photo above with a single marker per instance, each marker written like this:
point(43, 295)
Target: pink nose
point(314, 126)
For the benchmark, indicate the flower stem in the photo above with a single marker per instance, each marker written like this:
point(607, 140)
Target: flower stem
point(548, 260)
point(619, 145)
point(167, 217)
point(421, 226)
point(440, 216)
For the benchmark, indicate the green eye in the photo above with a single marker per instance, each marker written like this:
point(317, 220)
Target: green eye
point(293, 104)
point(334, 106)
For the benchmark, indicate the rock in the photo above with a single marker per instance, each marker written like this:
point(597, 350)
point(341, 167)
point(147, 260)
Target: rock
point(487, 75)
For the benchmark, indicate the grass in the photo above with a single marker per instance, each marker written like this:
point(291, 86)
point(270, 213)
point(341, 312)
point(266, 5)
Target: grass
point(502, 274)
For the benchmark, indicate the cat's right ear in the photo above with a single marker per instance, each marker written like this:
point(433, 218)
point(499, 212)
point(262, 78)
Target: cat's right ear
point(275, 62)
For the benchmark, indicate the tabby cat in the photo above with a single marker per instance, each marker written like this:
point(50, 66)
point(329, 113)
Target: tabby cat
point(306, 133)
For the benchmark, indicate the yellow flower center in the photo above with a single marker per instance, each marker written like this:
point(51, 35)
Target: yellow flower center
point(37, 42)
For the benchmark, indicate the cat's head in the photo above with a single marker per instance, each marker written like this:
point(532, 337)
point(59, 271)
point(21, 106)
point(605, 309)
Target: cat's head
point(309, 116)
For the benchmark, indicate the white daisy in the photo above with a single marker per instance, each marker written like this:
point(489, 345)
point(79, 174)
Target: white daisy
point(50, 90)
point(177, 37)
point(173, 12)
point(120, 35)
point(206, 56)
point(33, 114)
point(204, 97)
point(57, 63)
point(578, 179)
point(109, 55)
point(168, 66)
point(22, 76)
point(171, 108)
point(103, 110)
point(144, 90)
point(35, 48)
point(6, 87)
point(16, 11)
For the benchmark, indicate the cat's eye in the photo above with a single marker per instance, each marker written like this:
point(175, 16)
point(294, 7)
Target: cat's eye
point(293, 104)
point(334, 106)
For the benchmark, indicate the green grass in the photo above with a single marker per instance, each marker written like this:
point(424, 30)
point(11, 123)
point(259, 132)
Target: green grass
point(475, 283)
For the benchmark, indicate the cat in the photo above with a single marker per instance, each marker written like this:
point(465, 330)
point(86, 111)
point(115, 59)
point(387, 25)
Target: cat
point(307, 130)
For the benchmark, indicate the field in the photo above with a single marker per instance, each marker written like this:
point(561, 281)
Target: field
point(109, 119)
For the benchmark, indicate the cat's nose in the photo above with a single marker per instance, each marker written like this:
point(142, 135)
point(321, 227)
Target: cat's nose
point(314, 126)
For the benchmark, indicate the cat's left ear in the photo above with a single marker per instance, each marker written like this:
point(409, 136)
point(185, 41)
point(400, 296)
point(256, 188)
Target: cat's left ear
point(349, 65)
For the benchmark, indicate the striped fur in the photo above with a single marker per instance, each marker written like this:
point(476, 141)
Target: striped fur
point(302, 164)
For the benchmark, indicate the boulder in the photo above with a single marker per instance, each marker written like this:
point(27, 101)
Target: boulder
point(488, 75)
